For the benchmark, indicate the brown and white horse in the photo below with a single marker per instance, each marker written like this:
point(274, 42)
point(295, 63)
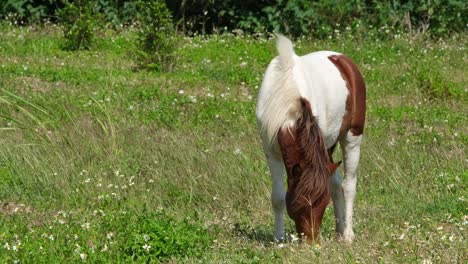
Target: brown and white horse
point(305, 107)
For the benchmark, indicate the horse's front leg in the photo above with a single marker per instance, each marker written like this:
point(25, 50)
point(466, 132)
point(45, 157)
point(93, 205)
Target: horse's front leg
point(351, 151)
point(277, 195)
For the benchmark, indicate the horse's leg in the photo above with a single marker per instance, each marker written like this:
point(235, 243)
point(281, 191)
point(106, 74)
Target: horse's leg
point(336, 191)
point(277, 195)
point(351, 151)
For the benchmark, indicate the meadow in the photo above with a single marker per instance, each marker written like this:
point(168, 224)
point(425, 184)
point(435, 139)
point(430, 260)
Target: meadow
point(104, 163)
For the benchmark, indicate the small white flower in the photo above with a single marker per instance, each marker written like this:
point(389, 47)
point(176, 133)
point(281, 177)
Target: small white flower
point(237, 152)
point(86, 225)
point(452, 238)
point(181, 91)
point(6, 246)
point(243, 64)
point(82, 256)
point(146, 237)
point(294, 238)
point(104, 248)
point(146, 247)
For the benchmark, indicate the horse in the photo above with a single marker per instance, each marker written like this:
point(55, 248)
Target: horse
point(306, 106)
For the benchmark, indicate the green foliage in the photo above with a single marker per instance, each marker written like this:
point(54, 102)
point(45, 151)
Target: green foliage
point(155, 236)
point(29, 11)
point(156, 38)
point(296, 17)
point(433, 85)
point(321, 18)
point(118, 12)
point(78, 20)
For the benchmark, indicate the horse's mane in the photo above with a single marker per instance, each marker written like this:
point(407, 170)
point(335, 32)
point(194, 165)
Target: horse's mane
point(313, 182)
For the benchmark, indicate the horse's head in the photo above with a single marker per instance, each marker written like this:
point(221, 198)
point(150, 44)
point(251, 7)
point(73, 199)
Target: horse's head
point(309, 168)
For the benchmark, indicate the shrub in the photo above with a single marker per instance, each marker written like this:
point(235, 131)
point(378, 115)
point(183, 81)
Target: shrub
point(29, 11)
point(78, 20)
point(156, 39)
point(320, 18)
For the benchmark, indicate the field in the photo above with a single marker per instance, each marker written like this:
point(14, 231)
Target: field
point(102, 163)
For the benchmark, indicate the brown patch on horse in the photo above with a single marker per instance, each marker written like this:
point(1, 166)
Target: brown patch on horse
point(308, 167)
point(355, 114)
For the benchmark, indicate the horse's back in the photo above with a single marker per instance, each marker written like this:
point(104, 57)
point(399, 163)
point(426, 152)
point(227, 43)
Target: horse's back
point(326, 89)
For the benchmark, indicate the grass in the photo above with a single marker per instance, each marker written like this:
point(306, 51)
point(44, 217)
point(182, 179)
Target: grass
point(102, 163)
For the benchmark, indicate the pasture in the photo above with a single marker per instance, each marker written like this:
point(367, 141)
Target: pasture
point(102, 163)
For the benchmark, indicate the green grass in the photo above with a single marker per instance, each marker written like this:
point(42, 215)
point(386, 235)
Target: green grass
point(102, 163)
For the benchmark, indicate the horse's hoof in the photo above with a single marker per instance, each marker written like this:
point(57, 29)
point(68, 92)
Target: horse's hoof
point(348, 236)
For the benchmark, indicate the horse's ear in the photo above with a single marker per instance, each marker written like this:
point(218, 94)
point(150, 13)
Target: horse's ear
point(333, 166)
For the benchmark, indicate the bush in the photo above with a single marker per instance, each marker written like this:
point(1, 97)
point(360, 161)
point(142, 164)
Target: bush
point(320, 18)
point(78, 21)
point(29, 11)
point(156, 38)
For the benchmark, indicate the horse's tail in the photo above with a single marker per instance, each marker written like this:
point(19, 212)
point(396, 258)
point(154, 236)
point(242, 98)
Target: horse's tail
point(286, 52)
point(280, 106)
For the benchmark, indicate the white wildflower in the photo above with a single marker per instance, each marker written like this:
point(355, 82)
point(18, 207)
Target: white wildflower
point(104, 248)
point(86, 226)
point(146, 247)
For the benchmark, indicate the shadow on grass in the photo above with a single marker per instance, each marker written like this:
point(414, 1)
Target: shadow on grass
point(261, 234)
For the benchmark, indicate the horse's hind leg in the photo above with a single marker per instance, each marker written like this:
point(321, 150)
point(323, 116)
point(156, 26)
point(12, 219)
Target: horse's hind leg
point(277, 195)
point(336, 192)
point(351, 146)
